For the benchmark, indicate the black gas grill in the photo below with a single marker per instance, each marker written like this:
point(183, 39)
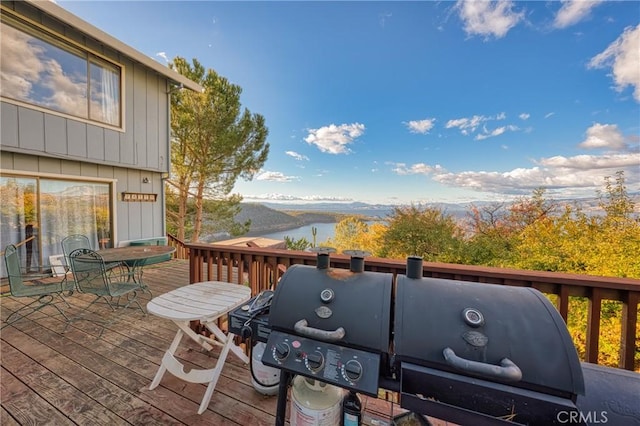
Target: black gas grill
point(459, 351)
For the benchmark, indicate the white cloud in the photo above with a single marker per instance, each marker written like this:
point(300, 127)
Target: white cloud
point(591, 162)
point(416, 169)
point(275, 176)
point(324, 198)
point(420, 126)
point(573, 11)
point(524, 116)
point(20, 64)
point(68, 92)
point(572, 176)
point(495, 132)
point(28, 74)
point(294, 198)
point(603, 136)
point(164, 56)
point(520, 180)
point(549, 114)
point(334, 139)
point(467, 123)
point(488, 18)
point(623, 56)
point(297, 156)
point(383, 18)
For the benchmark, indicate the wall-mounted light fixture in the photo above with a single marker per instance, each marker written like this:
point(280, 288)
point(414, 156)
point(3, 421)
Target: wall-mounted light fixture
point(179, 86)
point(145, 180)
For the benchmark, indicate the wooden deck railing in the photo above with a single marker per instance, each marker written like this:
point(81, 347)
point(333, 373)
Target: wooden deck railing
point(262, 268)
point(182, 251)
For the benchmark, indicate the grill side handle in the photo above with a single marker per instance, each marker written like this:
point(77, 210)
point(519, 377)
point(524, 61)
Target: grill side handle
point(507, 370)
point(302, 327)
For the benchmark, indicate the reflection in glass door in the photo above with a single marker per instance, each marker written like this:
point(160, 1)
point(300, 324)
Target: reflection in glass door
point(19, 220)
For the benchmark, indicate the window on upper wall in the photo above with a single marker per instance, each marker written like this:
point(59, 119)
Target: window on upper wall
point(43, 70)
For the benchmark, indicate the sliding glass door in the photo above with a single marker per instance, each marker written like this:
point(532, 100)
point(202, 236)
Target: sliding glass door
point(37, 213)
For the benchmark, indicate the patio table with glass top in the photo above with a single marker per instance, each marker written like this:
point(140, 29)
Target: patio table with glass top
point(134, 257)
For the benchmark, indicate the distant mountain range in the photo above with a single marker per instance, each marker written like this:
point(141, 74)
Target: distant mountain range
point(273, 217)
point(354, 208)
point(357, 208)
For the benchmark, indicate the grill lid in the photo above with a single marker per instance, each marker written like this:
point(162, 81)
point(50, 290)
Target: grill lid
point(334, 305)
point(505, 334)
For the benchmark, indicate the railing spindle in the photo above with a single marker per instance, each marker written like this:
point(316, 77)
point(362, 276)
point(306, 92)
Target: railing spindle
point(593, 325)
point(629, 330)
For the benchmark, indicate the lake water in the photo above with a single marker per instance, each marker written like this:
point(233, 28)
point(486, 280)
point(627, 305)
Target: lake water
point(325, 231)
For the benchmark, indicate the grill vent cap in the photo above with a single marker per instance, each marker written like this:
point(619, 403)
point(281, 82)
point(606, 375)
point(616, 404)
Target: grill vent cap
point(322, 256)
point(414, 267)
point(357, 259)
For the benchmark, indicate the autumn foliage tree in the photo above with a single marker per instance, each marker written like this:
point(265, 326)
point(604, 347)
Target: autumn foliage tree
point(421, 231)
point(490, 239)
point(575, 241)
point(350, 234)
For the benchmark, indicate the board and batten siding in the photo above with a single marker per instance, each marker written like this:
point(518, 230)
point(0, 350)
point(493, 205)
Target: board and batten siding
point(33, 140)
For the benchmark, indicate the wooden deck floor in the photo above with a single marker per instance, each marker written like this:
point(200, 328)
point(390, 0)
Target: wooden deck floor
point(47, 377)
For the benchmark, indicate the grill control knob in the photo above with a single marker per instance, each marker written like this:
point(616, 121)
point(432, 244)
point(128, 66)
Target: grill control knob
point(314, 361)
point(352, 370)
point(281, 351)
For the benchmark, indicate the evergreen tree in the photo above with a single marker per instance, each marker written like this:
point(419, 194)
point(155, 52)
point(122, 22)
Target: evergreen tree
point(214, 143)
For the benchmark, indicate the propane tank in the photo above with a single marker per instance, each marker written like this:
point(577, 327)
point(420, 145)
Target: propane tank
point(264, 379)
point(314, 403)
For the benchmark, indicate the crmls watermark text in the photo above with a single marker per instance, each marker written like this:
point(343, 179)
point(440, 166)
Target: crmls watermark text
point(580, 417)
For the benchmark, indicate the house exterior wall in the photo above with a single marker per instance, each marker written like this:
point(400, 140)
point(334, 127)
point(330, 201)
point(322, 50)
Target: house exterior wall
point(34, 140)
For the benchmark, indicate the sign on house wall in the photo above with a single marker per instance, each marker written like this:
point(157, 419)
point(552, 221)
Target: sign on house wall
point(139, 197)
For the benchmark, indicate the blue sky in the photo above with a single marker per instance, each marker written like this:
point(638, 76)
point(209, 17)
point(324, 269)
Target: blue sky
point(398, 102)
